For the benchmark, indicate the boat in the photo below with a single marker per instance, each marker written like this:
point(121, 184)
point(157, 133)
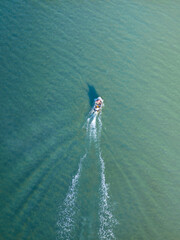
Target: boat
point(98, 104)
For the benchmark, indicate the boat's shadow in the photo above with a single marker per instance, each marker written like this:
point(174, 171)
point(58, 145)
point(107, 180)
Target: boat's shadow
point(92, 94)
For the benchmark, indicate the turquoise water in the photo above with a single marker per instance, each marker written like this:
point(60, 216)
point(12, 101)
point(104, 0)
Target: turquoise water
point(64, 175)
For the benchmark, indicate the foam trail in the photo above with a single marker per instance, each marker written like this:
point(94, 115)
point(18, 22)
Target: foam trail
point(91, 127)
point(100, 125)
point(93, 131)
point(107, 220)
point(66, 222)
point(67, 211)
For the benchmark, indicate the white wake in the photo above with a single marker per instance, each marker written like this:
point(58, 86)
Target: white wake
point(107, 221)
point(91, 128)
point(67, 211)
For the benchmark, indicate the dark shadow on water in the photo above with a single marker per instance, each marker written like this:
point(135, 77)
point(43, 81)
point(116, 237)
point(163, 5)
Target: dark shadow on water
point(92, 93)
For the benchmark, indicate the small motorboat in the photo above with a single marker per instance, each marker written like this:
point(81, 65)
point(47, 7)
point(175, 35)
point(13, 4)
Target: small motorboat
point(98, 104)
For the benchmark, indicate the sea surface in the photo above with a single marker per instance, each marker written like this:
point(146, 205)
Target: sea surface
point(66, 174)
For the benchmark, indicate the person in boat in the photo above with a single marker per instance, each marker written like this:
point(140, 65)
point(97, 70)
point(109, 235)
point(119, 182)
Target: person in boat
point(98, 102)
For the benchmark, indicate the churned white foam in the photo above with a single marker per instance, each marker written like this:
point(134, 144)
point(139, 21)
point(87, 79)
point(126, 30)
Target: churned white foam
point(93, 130)
point(87, 125)
point(67, 214)
point(107, 220)
point(67, 211)
point(91, 127)
point(100, 125)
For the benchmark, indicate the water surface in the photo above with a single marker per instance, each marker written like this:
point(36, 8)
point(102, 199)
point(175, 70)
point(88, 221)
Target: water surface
point(55, 57)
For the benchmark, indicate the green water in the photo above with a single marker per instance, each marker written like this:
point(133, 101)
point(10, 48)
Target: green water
point(55, 57)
